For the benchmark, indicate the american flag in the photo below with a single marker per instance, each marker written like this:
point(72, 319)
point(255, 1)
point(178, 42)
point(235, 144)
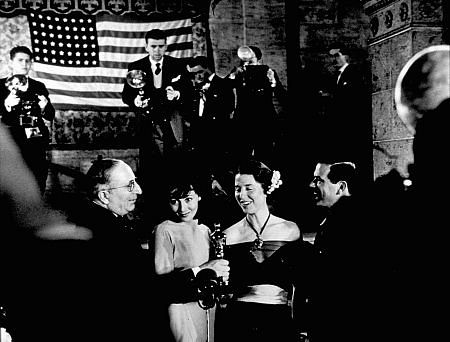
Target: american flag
point(83, 60)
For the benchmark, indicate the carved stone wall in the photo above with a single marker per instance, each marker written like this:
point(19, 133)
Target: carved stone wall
point(399, 29)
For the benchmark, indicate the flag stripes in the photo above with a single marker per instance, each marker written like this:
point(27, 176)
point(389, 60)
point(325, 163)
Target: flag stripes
point(120, 40)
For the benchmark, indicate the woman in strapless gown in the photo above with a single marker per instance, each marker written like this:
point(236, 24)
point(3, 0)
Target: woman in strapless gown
point(267, 265)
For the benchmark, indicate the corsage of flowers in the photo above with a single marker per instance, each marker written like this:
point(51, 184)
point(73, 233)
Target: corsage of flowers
point(275, 182)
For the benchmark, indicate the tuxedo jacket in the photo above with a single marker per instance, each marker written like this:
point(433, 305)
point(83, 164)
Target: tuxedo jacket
point(349, 89)
point(219, 100)
point(160, 108)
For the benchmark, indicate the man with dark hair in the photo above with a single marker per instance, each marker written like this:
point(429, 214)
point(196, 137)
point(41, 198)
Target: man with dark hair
point(157, 99)
point(25, 108)
point(347, 122)
point(341, 259)
point(255, 86)
point(210, 102)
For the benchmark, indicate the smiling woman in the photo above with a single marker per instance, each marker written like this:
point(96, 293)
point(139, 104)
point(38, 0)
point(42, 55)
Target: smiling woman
point(265, 252)
point(182, 242)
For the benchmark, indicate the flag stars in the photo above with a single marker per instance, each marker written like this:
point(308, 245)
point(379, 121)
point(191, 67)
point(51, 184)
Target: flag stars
point(42, 25)
point(35, 33)
point(58, 28)
point(33, 23)
point(51, 35)
point(52, 43)
point(92, 37)
point(49, 18)
point(60, 44)
point(78, 62)
point(69, 45)
point(45, 59)
point(60, 36)
point(69, 53)
point(50, 27)
point(44, 42)
point(77, 54)
point(65, 20)
point(83, 29)
point(53, 60)
point(44, 50)
point(86, 62)
point(67, 28)
point(84, 37)
point(76, 37)
point(40, 16)
point(61, 61)
point(70, 62)
point(75, 28)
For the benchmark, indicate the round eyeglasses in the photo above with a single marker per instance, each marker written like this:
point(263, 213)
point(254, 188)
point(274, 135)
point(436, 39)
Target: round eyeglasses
point(131, 185)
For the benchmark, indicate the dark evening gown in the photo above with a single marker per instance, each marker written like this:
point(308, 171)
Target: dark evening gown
point(262, 284)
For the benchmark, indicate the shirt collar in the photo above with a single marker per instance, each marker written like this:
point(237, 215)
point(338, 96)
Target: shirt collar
point(342, 68)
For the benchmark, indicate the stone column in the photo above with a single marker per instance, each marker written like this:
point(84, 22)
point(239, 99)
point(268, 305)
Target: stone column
point(399, 29)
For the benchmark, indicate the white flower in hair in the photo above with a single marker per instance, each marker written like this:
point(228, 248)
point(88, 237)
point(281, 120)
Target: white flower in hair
point(276, 182)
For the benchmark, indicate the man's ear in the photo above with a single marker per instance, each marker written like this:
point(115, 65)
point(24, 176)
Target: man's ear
point(341, 188)
point(103, 196)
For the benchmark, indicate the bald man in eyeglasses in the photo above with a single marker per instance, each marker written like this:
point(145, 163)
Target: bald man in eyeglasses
point(121, 282)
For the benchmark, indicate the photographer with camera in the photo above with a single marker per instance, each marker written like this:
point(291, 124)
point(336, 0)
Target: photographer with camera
point(256, 85)
point(24, 108)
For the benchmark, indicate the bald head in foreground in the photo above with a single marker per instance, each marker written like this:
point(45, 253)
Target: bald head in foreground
point(423, 84)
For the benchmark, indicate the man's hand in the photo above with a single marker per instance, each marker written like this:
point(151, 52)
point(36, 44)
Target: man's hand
point(42, 101)
point(220, 266)
point(172, 93)
point(11, 101)
point(138, 102)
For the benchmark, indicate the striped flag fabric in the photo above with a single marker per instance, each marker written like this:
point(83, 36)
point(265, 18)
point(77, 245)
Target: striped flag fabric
point(83, 60)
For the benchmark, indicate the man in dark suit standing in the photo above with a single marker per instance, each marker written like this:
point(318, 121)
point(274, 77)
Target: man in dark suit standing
point(210, 104)
point(348, 119)
point(158, 102)
point(159, 99)
point(25, 108)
